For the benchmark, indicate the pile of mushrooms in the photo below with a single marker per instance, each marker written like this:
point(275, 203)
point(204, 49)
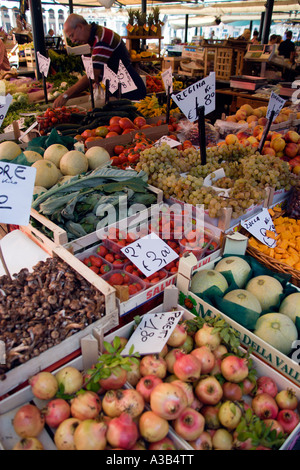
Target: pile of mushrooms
point(39, 309)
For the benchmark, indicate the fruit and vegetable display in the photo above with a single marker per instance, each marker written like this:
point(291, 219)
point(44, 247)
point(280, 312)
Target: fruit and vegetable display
point(40, 309)
point(255, 297)
point(151, 107)
point(200, 392)
point(53, 117)
point(247, 174)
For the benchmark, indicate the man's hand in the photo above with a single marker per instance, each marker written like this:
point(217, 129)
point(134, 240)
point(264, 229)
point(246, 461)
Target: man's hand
point(60, 101)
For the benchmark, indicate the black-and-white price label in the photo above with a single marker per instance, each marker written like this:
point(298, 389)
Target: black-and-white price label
point(153, 332)
point(124, 77)
point(149, 254)
point(16, 191)
point(88, 66)
point(167, 79)
point(43, 63)
point(201, 93)
point(112, 78)
point(259, 225)
point(276, 104)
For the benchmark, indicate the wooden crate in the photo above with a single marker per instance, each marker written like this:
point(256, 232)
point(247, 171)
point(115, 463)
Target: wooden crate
point(223, 63)
point(20, 374)
point(60, 236)
point(30, 58)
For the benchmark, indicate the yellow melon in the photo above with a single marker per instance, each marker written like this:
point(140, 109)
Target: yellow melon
point(32, 156)
point(97, 156)
point(55, 152)
point(47, 173)
point(73, 163)
point(9, 150)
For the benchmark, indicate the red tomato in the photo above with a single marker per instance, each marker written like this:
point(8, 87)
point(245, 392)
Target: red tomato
point(139, 121)
point(133, 157)
point(119, 149)
point(122, 158)
point(127, 131)
point(87, 133)
point(126, 123)
point(114, 120)
point(115, 128)
point(111, 134)
point(115, 161)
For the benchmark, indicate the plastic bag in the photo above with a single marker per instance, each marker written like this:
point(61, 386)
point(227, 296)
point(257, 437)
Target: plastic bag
point(189, 131)
point(228, 127)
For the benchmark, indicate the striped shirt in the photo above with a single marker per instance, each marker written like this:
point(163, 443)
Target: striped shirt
point(104, 44)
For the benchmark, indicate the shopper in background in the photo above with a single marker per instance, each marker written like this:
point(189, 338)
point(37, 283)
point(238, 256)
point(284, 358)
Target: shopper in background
point(273, 39)
point(278, 39)
point(50, 33)
point(4, 62)
point(287, 48)
point(255, 40)
point(107, 48)
point(245, 36)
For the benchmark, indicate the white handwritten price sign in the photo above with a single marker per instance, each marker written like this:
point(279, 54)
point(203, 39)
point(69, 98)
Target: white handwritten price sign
point(201, 93)
point(167, 79)
point(276, 103)
point(16, 191)
point(88, 66)
point(43, 63)
point(150, 254)
point(112, 78)
point(4, 105)
point(153, 332)
point(166, 140)
point(124, 77)
point(261, 227)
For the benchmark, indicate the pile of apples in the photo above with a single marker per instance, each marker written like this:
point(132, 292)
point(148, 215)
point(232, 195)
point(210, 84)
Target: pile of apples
point(196, 387)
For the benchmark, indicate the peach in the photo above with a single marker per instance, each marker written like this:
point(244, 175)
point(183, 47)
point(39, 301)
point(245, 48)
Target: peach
point(242, 135)
point(275, 134)
point(241, 115)
point(252, 118)
point(257, 130)
point(252, 139)
point(242, 122)
point(231, 119)
point(262, 121)
point(291, 149)
point(296, 169)
point(257, 112)
point(263, 109)
point(267, 143)
point(278, 144)
point(268, 151)
point(248, 108)
point(231, 139)
point(292, 136)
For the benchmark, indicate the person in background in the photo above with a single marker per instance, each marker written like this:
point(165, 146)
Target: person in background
point(107, 48)
point(4, 62)
point(273, 39)
point(245, 36)
point(287, 48)
point(278, 39)
point(254, 39)
point(50, 33)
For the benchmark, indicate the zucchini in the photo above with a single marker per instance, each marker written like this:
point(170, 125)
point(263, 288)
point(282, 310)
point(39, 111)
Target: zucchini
point(67, 125)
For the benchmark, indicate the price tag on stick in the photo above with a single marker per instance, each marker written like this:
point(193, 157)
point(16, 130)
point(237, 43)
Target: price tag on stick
point(89, 70)
point(44, 64)
point(201, 133)
point(153, 332)
point(261, 227)
point(149, 254)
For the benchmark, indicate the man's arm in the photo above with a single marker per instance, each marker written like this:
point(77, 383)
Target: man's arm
point(73, 91)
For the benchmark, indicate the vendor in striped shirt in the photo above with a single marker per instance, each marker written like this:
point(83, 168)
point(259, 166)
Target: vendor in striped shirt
point(107, 48)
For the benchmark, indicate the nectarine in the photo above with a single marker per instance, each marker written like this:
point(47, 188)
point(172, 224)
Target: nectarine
point(231, 139)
